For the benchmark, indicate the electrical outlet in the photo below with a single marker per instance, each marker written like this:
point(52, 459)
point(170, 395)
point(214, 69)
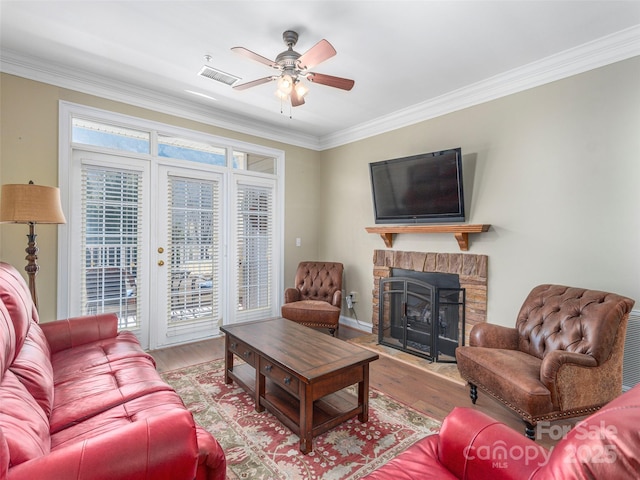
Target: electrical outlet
point(354, 297)
point(349, 301)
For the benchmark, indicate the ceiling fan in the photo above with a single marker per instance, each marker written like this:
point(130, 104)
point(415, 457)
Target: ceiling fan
point(294, 68)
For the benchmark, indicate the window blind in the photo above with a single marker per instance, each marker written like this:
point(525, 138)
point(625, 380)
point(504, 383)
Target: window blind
point(194, 282)
point(254, 237)
point(111, 241)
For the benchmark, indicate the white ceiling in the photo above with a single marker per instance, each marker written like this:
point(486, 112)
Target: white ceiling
point(410, 60)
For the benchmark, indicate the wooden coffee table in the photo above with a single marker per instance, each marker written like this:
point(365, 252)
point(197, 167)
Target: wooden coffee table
point(299, 374)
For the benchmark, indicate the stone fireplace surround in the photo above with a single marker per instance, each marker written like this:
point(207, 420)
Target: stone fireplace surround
point(471, 270)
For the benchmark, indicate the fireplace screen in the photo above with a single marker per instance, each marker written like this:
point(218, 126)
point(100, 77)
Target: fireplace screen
point(424, 318)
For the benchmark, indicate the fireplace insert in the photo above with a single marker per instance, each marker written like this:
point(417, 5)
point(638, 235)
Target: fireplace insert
point(422, 313)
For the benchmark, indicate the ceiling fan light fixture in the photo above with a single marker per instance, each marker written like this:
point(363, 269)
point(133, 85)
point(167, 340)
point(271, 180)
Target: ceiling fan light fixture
point(285, 84)
point(301, 88)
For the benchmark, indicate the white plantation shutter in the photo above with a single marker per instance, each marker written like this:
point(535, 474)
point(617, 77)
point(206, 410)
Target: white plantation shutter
point(111, 235)
point(254, 237)
point(194, 244)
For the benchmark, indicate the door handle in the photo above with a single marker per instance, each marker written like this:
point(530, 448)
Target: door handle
point(160, 262)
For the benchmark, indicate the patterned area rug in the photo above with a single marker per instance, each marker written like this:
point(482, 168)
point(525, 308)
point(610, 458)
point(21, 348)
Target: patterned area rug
point(258, 446)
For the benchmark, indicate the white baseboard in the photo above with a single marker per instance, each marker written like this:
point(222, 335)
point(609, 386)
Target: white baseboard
point(353, 323)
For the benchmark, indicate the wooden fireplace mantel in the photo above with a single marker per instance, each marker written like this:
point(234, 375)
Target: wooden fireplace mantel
point(461, 231)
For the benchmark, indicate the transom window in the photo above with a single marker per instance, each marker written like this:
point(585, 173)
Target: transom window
point(98, 134)
point(106, 135)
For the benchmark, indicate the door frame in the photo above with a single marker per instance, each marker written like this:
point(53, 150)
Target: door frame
point(68, 110)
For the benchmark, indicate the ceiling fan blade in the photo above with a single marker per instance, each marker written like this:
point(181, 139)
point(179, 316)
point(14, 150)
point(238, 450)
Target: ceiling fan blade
point(260, 81)
point(331, 81)
point(320, 52)
point(296, 100)
point(254, 56)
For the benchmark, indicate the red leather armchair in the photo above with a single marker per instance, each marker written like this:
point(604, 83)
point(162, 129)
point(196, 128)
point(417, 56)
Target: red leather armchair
point(473, 446)
point(316, 298)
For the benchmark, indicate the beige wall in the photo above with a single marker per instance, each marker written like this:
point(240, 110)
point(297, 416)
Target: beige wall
point(555, 170)
point(29, 151)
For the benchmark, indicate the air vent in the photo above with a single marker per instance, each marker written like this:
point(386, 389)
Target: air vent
point(631, 362)
point(217, 75)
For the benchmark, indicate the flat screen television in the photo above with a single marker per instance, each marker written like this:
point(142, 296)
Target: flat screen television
point(425, 188)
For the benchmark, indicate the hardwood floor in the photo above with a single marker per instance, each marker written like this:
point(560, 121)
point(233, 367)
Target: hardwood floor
point(430, 394)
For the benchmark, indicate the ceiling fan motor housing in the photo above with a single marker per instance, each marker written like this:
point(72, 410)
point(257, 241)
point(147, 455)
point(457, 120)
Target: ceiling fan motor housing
point(287, 59)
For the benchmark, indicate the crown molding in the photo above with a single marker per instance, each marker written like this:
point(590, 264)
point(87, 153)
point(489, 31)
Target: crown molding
point(85, 82)
point(597, 53)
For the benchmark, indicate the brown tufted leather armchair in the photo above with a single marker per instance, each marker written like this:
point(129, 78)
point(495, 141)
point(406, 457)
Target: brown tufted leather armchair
point(563, 358)
point(316, 299)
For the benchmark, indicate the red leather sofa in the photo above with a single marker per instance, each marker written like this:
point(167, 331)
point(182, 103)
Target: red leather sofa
point(78, 400)
point(472, 445)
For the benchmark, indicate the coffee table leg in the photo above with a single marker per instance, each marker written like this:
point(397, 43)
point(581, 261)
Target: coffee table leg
point(260, 385)
point(228, 360)
point(363, 394)
point(306, 419)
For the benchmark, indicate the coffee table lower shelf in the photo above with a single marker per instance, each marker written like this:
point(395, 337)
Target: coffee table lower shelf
point(328, 411)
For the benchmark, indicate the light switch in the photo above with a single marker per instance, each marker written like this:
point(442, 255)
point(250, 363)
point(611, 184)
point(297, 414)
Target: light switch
point(298, 242)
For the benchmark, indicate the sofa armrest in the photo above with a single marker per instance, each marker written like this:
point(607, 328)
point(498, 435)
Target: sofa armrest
point(419, 461)
point(159, 448)
point(212, 464)
point(473, 445)
point(336, 301)
point(566, 373)
point(291, 295)
point(555, 359)
point(493, 336)
point(63, 334)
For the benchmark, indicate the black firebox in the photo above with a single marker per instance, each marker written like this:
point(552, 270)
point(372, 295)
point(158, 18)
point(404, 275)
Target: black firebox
point(422, 313)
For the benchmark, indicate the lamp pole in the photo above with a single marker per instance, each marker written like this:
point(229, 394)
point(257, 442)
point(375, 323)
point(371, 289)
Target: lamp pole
point(32, 266)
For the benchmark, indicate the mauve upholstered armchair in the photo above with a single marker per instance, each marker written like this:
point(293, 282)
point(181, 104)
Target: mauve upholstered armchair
point(563, 358)
point(316, 298)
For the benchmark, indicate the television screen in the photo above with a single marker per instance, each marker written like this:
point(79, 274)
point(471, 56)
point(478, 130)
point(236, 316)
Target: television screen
point(424, 188)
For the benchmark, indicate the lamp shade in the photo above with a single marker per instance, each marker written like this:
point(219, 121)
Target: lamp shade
point(29, 203)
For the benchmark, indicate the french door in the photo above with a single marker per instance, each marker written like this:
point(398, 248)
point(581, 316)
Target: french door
point(109, 242)
point(174, 251)
point(187, 264)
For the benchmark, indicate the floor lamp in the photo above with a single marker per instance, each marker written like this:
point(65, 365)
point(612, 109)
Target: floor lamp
point(31, 204)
